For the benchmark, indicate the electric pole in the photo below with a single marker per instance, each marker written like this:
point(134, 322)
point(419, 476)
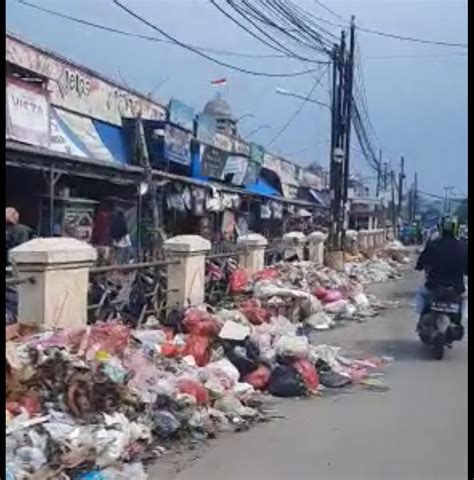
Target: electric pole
point(393, 212)
point(349, 78)
point(401, 177)
point(379, 175)
point(415, 196)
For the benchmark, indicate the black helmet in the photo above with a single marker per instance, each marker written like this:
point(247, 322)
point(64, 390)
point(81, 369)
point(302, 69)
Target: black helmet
point(448, 225)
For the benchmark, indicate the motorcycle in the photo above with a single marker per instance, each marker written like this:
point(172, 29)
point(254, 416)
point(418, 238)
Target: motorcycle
point(440, 323)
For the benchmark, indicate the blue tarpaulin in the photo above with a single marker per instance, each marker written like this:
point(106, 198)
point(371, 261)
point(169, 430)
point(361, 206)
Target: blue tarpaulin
point(262, 188)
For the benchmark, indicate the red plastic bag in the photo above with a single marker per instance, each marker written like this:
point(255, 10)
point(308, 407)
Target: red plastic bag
point(267, 274)
point(254, 312)
point(259, 378)
point(238, 281)
point(193, 388)
point(198, 347)
point(308, 372)
point(170, 350)
point(198, 322)
point(320, 293)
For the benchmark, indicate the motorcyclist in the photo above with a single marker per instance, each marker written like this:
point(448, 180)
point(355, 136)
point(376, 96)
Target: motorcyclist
point(444, 260)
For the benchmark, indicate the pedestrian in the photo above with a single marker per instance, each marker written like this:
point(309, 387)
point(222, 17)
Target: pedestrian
point(121, 243)
point(15, 232)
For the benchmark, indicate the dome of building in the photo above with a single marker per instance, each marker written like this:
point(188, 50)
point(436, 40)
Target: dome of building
point(219, 108)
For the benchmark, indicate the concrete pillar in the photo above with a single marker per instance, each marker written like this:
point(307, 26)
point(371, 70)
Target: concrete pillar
point(351, 245)
point(363, 240)
point(293, 244)
point(252, 259)
point(60, 269)
point(370, 240)
point(188, 276)
point(316, 247)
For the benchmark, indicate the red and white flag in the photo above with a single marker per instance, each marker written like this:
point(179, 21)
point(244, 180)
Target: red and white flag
point(219, 82)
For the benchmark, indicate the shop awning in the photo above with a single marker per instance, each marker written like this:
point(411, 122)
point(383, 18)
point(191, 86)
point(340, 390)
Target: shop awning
point(319, 198)
point(262, 188)
point(86, 138)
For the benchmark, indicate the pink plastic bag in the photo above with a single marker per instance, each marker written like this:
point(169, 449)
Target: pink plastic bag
point(254, 312)
point(238, 281)
point(267, 274)
point(308, 372)
point(259, 378)
point(198, 322)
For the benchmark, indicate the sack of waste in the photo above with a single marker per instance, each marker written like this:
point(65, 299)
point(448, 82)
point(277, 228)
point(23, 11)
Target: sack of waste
point(259, 378)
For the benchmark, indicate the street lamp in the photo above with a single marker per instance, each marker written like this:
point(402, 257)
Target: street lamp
point(253, 132)
point(283, 91)
point(245, 115)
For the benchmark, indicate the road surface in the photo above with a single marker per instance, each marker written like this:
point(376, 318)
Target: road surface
point(415, 431)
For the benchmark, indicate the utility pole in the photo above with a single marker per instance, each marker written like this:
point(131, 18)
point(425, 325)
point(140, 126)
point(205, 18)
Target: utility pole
point(379, 175)
point(401, 177)
point(415, 196)
point(349, 79)
point(393, 212)
point(334, 140)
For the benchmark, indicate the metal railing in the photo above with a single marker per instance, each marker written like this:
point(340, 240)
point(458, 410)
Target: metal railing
point(130, 292)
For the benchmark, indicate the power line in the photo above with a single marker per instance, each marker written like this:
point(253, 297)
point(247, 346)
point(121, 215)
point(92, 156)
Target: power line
point(396, 36)
point(202, 54)
point(126, 33)
point(332, 12)
point(298, 110)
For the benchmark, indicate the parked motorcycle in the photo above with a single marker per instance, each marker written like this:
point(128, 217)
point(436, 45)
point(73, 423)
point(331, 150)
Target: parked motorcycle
point(440, 324)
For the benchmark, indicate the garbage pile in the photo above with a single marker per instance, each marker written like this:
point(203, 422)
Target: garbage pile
point(99, 402)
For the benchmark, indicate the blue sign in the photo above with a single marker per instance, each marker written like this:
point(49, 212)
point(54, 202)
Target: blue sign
point(177, 145)
point(181, 114)
point(206, 128)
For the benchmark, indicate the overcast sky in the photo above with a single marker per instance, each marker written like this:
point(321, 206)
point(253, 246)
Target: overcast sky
point(417, 94)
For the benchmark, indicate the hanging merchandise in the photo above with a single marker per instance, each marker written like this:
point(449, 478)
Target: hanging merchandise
point(213, 201)
point(227, 201)
point(198, 199)
point(228, 223)
point(277, 210)
point(187, 199)
point(265, 211)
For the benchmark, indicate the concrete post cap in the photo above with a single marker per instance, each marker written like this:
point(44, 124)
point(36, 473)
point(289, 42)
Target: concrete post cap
point(294, 238)
point(51, 251)
point(351, 234)
point(187, 244)
point(317, 237)
point(252, 240)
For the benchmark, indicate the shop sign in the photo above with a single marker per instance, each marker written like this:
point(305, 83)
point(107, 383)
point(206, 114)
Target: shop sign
point(256, 153)
point(181, 114)
point(252, 173)
point(223, 142)
point(236, 167)
point(27, 114)
point(177, 145)
point(206, 128)
point(213, 161)
point(241, 147)
point(287, 173)
point(80, 90)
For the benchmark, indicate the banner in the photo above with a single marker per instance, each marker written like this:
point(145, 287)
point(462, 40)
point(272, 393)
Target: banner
point(235, 169)
point(213, 161)
point(177, 145)
point(27, 114)
point(256, 153)
point(181, 114)
point(253, 173)
point(206, 128)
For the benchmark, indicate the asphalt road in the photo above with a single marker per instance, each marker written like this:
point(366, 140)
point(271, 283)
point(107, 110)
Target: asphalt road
point(417, 430)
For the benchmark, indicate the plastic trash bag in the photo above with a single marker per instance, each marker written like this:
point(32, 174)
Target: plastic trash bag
point(244, 355)
point(198, 347)
point(308, 373)
point(194, 389)
point(259, 378)
point(292, 346)
point(254, 312)
point(165, 424)
point(238, 281)
point(225, 371)
point(285, 381)
point(199, 322)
